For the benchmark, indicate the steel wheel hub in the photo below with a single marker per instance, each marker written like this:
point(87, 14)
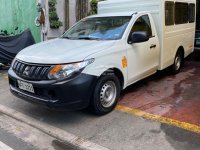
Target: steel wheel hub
point(108, 94)
point(178, 62)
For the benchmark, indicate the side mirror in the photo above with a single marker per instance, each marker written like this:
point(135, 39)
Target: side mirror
point(139, 37)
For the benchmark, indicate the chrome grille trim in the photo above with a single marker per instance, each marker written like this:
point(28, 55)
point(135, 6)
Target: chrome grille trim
point(32, 72)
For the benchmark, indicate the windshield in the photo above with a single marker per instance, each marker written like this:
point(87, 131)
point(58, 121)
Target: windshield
point(100, 28)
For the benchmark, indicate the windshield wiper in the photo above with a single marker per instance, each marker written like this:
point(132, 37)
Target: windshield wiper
point(88, 38)
point(82, 38)
point(66, 37)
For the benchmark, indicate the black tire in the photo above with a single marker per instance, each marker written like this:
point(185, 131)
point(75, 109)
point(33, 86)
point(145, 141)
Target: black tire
point(97, 105)
point(178, 63)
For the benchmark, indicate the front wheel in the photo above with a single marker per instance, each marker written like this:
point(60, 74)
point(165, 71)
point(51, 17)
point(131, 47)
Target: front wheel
point(106, 94)
point(178, 62)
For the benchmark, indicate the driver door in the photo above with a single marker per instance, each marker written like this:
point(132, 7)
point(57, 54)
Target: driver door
point(143, 58)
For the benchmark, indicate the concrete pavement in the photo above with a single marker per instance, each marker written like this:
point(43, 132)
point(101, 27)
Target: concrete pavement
point(171, 96)
point(9, 142)
point(70, 140)
point(17, 135)
point(4, 146)
point(118, 130)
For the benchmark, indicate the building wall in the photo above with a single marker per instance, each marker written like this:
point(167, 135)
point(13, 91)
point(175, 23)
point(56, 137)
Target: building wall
point(61, 11)
point(52, 33)
point(72, 12)
point(21, 14)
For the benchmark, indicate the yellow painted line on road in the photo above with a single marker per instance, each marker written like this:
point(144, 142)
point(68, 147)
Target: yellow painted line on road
point(136, 112)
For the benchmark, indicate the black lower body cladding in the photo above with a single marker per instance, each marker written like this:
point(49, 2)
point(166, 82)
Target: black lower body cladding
point(73, 94)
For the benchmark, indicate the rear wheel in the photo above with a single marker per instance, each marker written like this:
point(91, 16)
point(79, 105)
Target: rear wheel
point(106, 94)
point(178, 62)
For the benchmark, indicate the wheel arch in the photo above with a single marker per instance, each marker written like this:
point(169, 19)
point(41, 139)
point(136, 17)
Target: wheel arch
point(182, 50)
point(116, 72)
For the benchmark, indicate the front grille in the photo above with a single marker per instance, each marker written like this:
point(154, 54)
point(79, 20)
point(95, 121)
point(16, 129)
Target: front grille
point(31, 71)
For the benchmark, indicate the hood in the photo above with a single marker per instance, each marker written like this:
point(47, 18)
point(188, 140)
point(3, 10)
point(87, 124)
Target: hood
point(60, 51)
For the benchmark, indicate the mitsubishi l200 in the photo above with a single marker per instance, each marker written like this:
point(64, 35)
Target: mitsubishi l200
point(103, 54)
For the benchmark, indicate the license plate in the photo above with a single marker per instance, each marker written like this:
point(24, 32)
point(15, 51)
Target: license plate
point(25, 86)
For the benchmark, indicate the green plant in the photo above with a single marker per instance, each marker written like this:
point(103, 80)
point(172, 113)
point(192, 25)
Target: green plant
point(93, 5)
point(53, 16)
point(52, 3)
point(54, 24)
point(52, 9)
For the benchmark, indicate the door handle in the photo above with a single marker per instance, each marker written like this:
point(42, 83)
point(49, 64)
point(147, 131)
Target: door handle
point(153, 46)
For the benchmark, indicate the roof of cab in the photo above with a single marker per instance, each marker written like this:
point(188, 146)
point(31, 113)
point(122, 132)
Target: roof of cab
point(113, 14)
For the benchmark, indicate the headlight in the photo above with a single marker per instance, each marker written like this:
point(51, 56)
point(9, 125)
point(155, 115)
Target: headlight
point(59, 72)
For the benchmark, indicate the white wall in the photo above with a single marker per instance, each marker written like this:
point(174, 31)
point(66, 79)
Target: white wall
point(53, 33)
point(72, 12)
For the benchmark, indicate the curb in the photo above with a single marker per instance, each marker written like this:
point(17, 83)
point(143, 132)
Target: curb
point(57, 133)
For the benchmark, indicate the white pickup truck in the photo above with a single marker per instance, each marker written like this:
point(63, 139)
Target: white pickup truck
point(101, 55)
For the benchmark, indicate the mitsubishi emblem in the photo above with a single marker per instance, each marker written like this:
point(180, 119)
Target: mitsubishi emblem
point(26, 71)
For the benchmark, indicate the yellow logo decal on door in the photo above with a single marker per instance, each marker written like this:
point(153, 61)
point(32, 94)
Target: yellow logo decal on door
point(124, 62)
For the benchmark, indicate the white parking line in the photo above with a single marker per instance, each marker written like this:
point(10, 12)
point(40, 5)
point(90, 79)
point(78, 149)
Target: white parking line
point(4, 146)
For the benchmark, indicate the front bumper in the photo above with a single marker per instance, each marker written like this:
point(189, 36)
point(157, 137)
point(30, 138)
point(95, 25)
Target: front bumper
point(73, 94)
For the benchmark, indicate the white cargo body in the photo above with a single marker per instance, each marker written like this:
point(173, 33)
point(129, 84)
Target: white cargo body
point(170, 37)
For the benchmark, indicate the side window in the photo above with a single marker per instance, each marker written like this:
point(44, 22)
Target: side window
point(191, 13)
point(142, 24)
point(181, 13)
point(169, 13)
